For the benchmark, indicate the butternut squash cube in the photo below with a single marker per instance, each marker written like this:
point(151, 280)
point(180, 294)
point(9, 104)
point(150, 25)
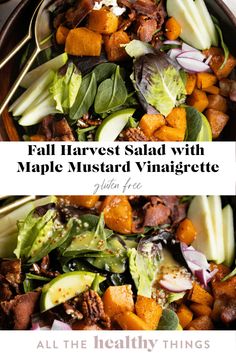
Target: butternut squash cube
point(205, 80)
point(190, 83)
point(118, 214)
point(185, 315)
point(86, 201)
point(61, 35)
point(169, 134)
point(177, 119)
point(103, 21)
point(149, 123)
point(148, 310)
point(118, 299)
point(83, 42)
point(131, 322)
point(198, 100)
point(113, 47)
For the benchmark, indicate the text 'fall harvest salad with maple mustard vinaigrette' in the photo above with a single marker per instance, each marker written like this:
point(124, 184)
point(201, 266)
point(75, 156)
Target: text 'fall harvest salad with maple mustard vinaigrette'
point(144, 70)
point(118, 262)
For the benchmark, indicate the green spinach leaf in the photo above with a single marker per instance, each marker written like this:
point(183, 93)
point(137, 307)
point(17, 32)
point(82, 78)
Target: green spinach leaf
point(85, 97)
point(194, 123)
point(104, 71)
point(169, 321)
point(111, 93)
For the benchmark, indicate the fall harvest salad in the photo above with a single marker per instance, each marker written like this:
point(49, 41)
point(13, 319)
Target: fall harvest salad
point(118, 262)
point(144, 70)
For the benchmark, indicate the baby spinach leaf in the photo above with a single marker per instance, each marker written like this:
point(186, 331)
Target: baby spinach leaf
point(194, 123)
point(111, 93)
point(85, 97)
point(169, 321)
point(104, 71)
point(223, 45)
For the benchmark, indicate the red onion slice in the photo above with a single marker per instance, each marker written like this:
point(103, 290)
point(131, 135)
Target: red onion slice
point(198, 264)
point(192, 65)
point(60, 326)
point(175, 284)
point(172, 42)
point(173, 53)
point(208, 60)
point(192, 54)
point(186, 48)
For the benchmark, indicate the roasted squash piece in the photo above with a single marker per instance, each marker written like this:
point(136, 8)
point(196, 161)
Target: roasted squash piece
point(202, 323)
point(190, 83)
point(225, 288)
point(131, 322)
point(61, 34)
point(118, 214)
point(217, 61)
point(118, 299)
point(185, 315)
point(103, 21)
point(198, 100)
point(173, 29)
point(214, 90)
point(149, 123)
point(113, 47)
point(149, 311)
point(86, 201)
point(37, 137)
point(223, 270)
point(186, 232)
point(205, 80)
point(200, 295)
point(83, 42)
point(218, 103)
point(177, 119)
point(169, 134)
point(217, 120)
point(200, 310)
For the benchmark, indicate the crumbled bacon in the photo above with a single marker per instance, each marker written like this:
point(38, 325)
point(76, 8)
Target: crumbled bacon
point(146, 28)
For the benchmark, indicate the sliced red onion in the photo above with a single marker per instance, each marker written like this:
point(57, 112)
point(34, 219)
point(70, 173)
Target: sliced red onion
point(36, 327)
point(173, 53)
point(192, 54)
point(208, 59)
point(60, 326)
point(205, 276)
point(192, 65)
point(198, 264)
point(175, 284)
point(186, 48)
point(172, 42)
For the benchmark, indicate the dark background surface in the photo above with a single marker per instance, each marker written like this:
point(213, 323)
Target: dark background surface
point(6, 8)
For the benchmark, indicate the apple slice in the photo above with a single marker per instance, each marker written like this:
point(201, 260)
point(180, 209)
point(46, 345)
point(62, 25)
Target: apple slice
point(228, 235)
point(200, 215)
point(207, 20)
point(112, 126)
point(217, 221)
point(192, 33)
point(65, 287)
point(53, 64)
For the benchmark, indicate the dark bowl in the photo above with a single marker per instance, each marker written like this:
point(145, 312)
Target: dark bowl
point(16, 27)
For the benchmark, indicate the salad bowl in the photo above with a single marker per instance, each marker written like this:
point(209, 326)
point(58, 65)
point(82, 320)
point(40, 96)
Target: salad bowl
point(118, 262)
point(10, 129)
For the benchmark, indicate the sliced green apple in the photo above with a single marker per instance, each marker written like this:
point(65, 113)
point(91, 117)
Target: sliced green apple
point(207, 20)
point(198, 21)
point(205, 132)
point(200, 215)
point(228, 235)
point(53, 64)
point(185, 16)
point(112, 126)
point(65, 287)
point(217, 221)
